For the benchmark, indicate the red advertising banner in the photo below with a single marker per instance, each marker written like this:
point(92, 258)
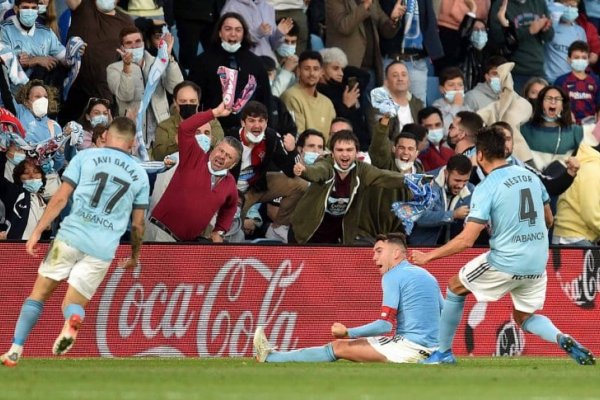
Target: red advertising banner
point(206, 301)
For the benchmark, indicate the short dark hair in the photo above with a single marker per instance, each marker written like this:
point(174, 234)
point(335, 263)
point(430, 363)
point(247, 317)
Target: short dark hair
point(493, 62)
point(405, 135)
point(459, 163)
point(504, 125)
point(310, 55)
point(124, 126)
point(578, 45)
point(20, 170)
point(268, 63)
point(184, 84)
point(470, 121)
point(343, 136)
point(18, 2)
point(129, 30)
point(397, 238)
point(395, 62)
point(309, 132)
point(427, 112)
point(246, 40)
point(491, 142)
point(450, 73)
point(254, 109)
point(341, 119)
point(416, 130)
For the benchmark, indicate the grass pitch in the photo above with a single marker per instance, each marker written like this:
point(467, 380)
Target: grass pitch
point(172, 379)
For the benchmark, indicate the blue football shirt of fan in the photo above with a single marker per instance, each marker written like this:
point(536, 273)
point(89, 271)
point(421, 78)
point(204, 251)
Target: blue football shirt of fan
point(108, 184)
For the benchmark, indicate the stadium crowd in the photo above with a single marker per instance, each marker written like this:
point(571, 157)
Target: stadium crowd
point(342, 100)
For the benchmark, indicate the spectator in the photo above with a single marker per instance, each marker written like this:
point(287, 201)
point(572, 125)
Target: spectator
point(436, 154)
point(96, 113)
point(566, 31)
point(195, 21)
point(98, 23)
point(262, 148)
point(230, 47)
point(310, 146)
point(462, 133)
point(445, 219)
point(46, 16)
point(309, 108)
point(474, 50)
point(551, 134)
point(280, 118)
point(296, 10)
point(284, 75)
point(260, 17)
point(187, 97)
point(200, 177)
point(583, 89)
point(127, 78)
point(330, 210)
point(355, 27)
point(533, 30)
point(591, 34)
point(9, 159)
point(452, 88)
point(488, 91)
point(532, 88)
point(416, 41)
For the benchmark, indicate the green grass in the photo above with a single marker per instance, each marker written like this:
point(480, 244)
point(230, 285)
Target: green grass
point(151, 378)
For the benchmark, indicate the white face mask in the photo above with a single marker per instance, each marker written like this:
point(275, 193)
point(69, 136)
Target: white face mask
point(252, 138)
point(221, 172)
point(230, 48)
point(106, 5)
point(340, 169)
point(40, 107)
point(137, 54)
point(403, 165)
point(435, 136)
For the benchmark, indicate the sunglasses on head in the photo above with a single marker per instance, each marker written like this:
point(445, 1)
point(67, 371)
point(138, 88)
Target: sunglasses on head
point(97, 100)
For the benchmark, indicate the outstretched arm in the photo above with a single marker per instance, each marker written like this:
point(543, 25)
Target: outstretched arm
point(463, 241)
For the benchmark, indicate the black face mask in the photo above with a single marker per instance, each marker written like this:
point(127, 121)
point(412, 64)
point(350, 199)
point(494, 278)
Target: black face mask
point(187, 110)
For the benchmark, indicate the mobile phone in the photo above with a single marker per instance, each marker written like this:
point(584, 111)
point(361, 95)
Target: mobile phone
point(352, 82)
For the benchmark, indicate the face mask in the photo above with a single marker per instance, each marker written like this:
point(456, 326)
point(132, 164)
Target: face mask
point(495, 84)
point(451, 94)
point(479, 39)
point(99, 120)
point(252, 138)
point(42, 9)
point(40, 107)
point(230, 48)
point(340, 169)
point(221, 172)
point(403, 165)
point(138, 54)
point(105, 5)
point(579, 65)
point(310, 157)
point(286, 50)
point(570, 14)
point(203, 141)
point(435, 136)
point(28, 17)
point(32, 185)
point(549, 119)
point(17, 158)
point(187, 110)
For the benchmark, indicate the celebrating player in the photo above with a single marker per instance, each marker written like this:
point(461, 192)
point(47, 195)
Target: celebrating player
point(106, 184)
point(512, 200)
point(411, 296)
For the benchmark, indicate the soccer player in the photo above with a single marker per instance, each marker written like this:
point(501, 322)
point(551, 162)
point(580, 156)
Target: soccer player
point(106, 184)
point(411, 295)
point(513, 200)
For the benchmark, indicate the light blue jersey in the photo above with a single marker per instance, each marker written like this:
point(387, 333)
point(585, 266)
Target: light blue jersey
point(39, 41)
point(416, 295)
point(108, 184)
point(512, 199)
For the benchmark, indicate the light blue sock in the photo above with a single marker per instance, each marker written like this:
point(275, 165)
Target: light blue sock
point(310, 354)
point(30, 313)
point(541, 326)
point(74, 309)
point(451, 316)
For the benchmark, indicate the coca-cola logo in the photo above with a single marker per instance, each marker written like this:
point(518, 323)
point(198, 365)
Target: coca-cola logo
point(135, 318)
point(510, 340)
point(582, 289)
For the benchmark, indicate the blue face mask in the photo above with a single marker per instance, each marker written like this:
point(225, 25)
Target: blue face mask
point(42, 8)
point(99, 120)
point(286, 50)
point(203, 141)
point(105, 5)
point(479, 39)
point(451, 94)
point(138, 54)
point(549, 119)
point(579, 65)
point(32, 185)
point(435, 136)
point(495, 84)
point(17, 158)
point(310, 157)
point(570, 14)
point(27, 17)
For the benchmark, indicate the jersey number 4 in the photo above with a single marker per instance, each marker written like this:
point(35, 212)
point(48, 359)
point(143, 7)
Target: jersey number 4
point(526, 208)
point(102, 178)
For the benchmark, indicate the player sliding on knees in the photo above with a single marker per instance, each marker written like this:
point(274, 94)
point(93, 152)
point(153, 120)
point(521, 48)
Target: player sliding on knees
point(108, 186)
point(409, 292)
point(515, 203)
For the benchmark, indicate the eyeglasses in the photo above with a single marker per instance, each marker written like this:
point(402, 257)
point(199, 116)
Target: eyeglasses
point(550, 99)
point(97, 100)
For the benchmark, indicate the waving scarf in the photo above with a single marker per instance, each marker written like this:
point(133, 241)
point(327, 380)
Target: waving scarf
point(228, 79)
point(73, 56)
point(423, 198)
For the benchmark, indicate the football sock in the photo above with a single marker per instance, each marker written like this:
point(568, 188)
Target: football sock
point(73, 309)
point(451, 315)
point(541, 326)
point(310, 354)
point(30, 313)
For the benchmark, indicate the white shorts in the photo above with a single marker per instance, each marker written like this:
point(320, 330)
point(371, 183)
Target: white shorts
point(398, 349)
point(85, 272)
point(528, 292)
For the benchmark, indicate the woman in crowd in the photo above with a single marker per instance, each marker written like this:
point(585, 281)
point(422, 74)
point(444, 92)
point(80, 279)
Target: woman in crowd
point(96, 113)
